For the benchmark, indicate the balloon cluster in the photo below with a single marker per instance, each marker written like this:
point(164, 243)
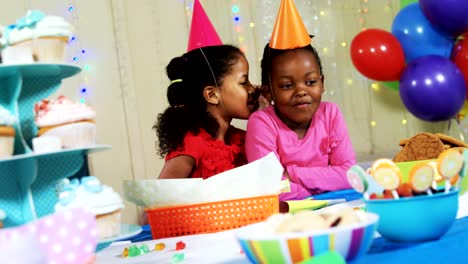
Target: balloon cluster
point(426, 53)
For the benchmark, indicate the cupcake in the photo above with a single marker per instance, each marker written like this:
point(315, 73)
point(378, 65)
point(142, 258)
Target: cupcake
point(99, 199)
point(70, 121)
point(7, 132)
point(36, 37)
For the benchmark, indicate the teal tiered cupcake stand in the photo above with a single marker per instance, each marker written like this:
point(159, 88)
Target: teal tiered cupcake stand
point(28, 179)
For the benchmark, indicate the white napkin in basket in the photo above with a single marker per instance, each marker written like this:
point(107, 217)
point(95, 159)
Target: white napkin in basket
point(258, 178)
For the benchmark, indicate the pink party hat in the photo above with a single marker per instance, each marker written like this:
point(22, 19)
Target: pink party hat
point(202, 32)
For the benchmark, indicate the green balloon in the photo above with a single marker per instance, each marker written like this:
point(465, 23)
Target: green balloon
point(404, 3)
point(395, 85)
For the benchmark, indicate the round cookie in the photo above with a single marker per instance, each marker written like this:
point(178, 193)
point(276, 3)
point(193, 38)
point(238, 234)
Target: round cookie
point(422, 146)
point(451, 140)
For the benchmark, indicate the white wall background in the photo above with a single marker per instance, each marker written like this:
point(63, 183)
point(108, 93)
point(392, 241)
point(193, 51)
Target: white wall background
point(129, 43)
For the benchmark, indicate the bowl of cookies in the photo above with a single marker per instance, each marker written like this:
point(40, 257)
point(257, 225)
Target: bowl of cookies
point(416, 201)
point(292, 238)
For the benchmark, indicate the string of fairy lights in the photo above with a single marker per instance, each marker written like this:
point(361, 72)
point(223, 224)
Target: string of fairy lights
point(242, 25)
point(78, 53)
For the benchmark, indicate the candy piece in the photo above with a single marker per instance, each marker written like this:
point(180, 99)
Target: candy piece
point(357, 178)
point(380, 162)
point(387, 194)
point(405, 190)
point(159, 246)
point(180, 245)
point(386, 174)
point(464, 170)
point(144, 249)
point(449, 163)
point(125, 253)
point(133, 251)
point(421, 177)
point(177, 258)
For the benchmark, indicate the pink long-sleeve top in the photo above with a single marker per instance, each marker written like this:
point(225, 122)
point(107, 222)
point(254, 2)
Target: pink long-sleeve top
point(317, 162)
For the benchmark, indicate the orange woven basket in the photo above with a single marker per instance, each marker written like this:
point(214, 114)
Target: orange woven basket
point(210, 217)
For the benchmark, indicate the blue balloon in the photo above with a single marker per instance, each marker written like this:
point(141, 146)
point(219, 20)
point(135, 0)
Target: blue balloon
point(449, 16)
point(417, 36)
point(432, 88)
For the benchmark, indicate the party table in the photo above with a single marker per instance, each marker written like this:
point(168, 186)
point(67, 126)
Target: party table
point(223, 247)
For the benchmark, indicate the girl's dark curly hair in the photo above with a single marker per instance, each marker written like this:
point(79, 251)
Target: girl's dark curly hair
point(189, 75)
point(269, 54)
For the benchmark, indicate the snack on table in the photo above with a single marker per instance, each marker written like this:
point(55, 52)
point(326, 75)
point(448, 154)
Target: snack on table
point(386, 174)
point(449, 163)
point(308, 221)
point(36, 37)
point(72, 122)
point(99, 199)
point(7, 132)
point(421, 177)
point(356, 177)
point(424, 146)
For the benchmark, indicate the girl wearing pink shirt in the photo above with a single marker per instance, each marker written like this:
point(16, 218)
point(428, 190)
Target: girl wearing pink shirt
point(308, 136)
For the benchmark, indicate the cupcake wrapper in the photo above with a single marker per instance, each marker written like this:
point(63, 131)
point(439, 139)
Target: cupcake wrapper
point(74, 135)
point(49, 49)
point(46, 144)
point(108, 225)
point(6, 146)
point(18, 54)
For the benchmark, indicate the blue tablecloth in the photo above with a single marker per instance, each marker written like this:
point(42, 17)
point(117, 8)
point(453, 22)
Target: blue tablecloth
point(451, 248)
point(348, 194)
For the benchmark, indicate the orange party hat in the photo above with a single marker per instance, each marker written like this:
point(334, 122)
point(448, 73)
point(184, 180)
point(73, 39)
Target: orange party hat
point(202, 32)
point(289, 31)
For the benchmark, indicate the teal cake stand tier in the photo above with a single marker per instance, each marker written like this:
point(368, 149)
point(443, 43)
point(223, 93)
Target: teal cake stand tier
point(28, 179)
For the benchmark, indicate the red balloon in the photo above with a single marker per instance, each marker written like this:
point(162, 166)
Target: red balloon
point(378, 55)
point(460, 57)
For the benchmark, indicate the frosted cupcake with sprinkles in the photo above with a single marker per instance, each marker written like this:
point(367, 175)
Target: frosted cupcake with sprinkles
point(72, 122)
point(44, 38)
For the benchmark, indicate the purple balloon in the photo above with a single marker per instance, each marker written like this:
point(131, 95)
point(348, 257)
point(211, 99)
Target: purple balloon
point(432, 88)
point(449, 16)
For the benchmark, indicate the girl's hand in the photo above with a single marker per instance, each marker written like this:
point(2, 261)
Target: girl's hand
point(262, 102)
point(262, 93)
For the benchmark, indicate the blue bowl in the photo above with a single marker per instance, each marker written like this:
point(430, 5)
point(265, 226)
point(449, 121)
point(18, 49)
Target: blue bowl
point(415, 219)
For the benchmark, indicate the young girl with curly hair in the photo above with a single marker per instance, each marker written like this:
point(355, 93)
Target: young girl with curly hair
point(209, 88)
